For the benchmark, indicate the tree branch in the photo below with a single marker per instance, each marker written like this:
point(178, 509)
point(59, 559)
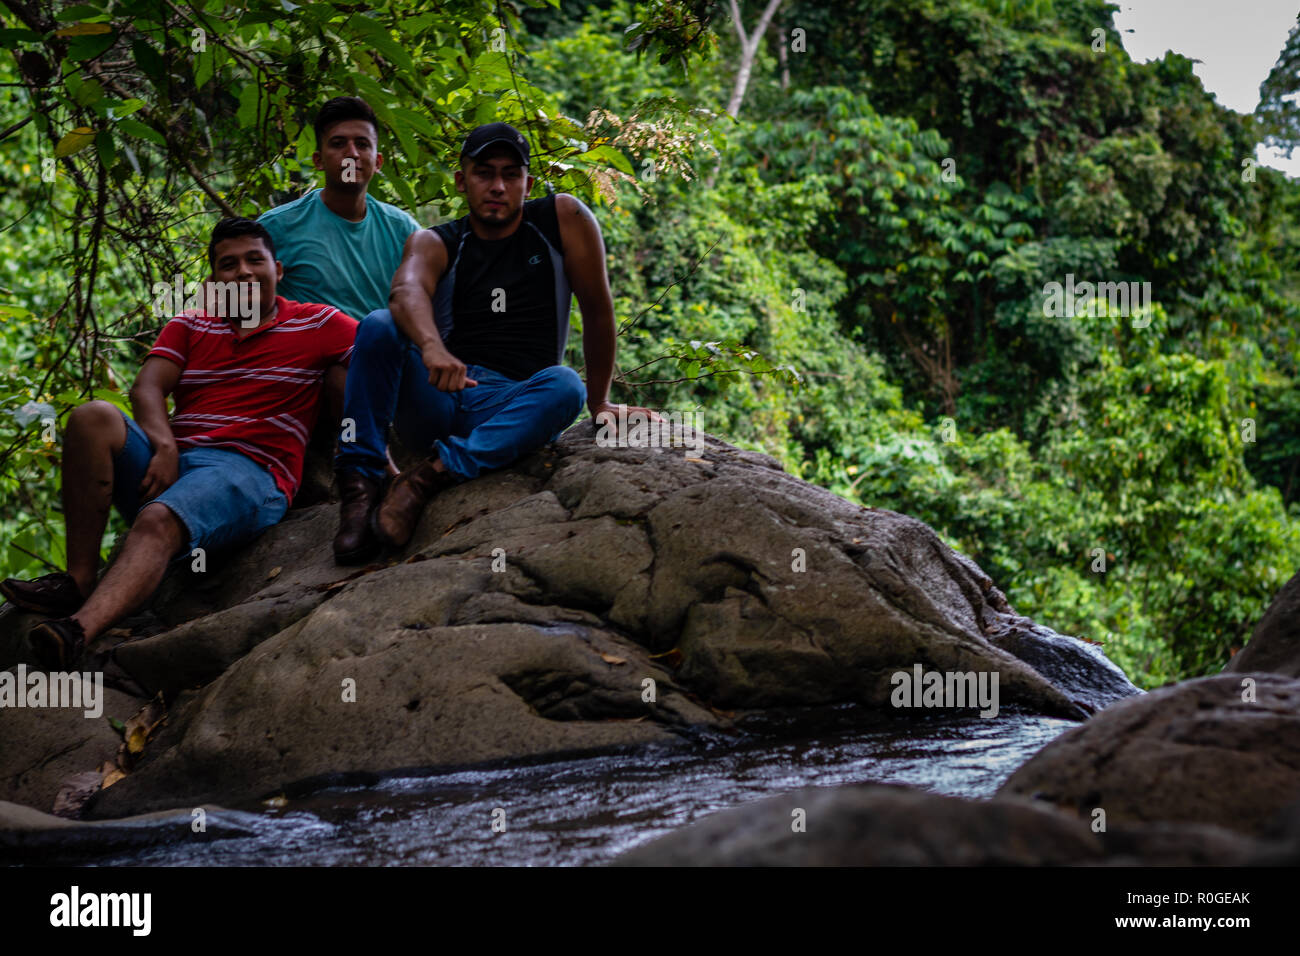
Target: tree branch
point(15, 127)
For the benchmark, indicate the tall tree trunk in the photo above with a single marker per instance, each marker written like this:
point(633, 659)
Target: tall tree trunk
point(748, 50)
point(783, 56)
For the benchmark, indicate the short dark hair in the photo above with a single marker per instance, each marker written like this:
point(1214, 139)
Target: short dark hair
point(343, 108)
point(233, 229)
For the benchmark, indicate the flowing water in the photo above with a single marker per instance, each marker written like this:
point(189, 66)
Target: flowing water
point(587, 811)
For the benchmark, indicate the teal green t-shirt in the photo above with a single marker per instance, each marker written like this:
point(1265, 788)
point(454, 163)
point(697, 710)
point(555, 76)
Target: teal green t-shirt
point(328, 259)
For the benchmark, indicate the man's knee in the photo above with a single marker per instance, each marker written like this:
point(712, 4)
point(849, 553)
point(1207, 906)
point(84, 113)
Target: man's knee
point(98, 420)
point(378, 330)
point(157, 522)
point(565, 385)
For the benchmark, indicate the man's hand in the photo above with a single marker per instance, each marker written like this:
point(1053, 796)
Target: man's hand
point(446, 372)
point(603, 413)
point(163, 470)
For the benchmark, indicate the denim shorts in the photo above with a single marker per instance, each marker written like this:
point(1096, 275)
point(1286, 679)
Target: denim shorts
point(223, 497)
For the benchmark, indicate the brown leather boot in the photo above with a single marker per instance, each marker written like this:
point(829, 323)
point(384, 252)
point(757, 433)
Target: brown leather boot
point(395, 519)
point(356, 543)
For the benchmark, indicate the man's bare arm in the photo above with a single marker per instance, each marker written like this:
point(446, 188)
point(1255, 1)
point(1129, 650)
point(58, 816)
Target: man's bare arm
point(584, 264)
point(411, 300)
point(334, 385)
point(157, 379)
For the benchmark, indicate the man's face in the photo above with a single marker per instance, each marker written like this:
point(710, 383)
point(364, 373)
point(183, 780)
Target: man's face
point(246, 259)
point(495, 185)
point(348, 155)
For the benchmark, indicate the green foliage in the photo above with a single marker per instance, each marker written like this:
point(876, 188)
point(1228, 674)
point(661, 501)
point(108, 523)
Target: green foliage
point(132, 126)
point(851, 278)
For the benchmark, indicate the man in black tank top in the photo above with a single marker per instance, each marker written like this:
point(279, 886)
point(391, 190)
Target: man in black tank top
point(466, 361)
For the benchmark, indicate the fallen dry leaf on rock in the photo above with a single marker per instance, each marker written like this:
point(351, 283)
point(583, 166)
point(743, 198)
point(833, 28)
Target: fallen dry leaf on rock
point(137, 731)
point(671, 658)
point(112, 777)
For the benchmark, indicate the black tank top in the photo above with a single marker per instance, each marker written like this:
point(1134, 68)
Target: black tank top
point(504, 303)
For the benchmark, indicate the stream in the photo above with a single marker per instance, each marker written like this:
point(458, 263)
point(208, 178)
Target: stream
point(587, 811)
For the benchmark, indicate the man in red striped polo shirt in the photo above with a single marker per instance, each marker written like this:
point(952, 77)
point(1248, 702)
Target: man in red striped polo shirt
point(220, 471)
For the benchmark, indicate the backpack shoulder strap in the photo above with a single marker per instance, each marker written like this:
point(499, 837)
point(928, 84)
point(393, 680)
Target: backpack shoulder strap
point(453, 235)
point(541, 218)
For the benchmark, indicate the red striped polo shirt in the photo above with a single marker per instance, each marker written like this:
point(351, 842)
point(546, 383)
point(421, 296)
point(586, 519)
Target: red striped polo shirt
point(259, 394)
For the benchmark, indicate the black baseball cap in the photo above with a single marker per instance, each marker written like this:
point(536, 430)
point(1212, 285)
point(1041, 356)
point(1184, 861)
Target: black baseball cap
point(484, 136)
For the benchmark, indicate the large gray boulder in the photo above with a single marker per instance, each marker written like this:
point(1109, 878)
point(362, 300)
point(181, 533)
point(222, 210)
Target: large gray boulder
point(878, 825)
point(588, 597)
point(1222, 750)
point(395, 675)
point(1274, 647)
point(875, 825)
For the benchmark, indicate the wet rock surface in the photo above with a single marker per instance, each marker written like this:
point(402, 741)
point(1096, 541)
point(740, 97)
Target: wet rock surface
point(586, 598)
point(40, 747)
point(875, 826)
point(1221, 751)
point(30, 836)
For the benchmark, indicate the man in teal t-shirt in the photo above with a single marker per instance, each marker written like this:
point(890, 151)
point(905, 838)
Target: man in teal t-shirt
point(338, 245)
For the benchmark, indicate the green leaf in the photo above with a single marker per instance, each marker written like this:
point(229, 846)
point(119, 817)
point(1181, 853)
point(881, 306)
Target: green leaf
point(87, 93)
point(80, 11)
point(203, 64)
point(407, 141)
point(494, 67)
point(377, 97)
point(104, 146)
point(13, 36)
point(404, 190)
point(610, 156)
point(74, 141)
point(150, 61)
point(83, 48)
point(252, 106)
point(417, 120)
point(369, 86)
point(125, 108)
point(377, 35)
point(138, 129)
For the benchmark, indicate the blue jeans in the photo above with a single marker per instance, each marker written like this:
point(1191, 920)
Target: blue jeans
point(486, 426)
point(222, 496)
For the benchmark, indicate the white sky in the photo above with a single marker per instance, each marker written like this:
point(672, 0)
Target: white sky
point(1237, 42)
